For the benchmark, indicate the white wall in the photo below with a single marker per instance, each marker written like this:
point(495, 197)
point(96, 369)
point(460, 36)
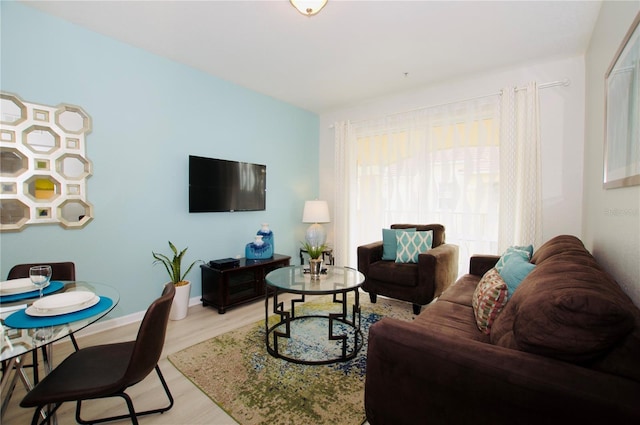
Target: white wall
point(611, 217)
point(562, 130)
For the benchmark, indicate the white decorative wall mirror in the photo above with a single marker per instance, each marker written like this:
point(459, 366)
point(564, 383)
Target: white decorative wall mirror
point(43, 165)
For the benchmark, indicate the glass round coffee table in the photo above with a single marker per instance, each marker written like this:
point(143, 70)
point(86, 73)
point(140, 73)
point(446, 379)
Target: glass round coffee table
point(314, 333)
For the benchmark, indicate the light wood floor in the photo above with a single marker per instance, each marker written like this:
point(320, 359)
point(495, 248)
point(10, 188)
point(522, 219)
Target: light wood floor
point(191, 405)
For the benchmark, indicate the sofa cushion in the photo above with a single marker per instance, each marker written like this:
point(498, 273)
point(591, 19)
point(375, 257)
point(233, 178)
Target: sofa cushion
point(559, 245)
point(401, 274)
point(461, 291)
point(622, 359)
point(564, 310)
point(444, 317)
point(411, 244)
point(489, 297)
point(390, 243)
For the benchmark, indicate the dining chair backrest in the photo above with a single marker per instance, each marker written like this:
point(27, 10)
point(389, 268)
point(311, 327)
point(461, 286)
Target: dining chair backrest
point(59, 271)
point(150, 341)
point(107, 370)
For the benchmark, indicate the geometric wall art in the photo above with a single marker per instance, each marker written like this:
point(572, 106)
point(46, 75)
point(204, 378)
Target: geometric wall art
point(43, 165)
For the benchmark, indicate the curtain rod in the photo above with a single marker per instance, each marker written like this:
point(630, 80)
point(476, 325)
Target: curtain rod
point(564, 83)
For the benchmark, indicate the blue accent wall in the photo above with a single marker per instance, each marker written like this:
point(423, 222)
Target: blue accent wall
point(149, 114)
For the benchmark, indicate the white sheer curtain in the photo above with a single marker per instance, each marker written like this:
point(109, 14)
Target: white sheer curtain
point(520, 180)
point(472, 166)
point(434, 165)
point(345, 171)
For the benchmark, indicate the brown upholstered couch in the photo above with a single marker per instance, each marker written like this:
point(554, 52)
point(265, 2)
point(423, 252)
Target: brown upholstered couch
point(565, 349)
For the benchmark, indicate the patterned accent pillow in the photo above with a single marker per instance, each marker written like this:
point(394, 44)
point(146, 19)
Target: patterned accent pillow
point(390, 242)
point(488, 299)
point(410, 244)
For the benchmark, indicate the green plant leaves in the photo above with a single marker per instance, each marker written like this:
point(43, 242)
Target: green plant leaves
point(173, 265)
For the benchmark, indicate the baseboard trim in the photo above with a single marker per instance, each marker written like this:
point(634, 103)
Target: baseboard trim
point(105, 325)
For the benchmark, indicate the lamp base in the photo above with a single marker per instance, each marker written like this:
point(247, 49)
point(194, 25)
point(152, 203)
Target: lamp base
point(316, 235)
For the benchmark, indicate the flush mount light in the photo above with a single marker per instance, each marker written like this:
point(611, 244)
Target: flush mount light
point(308, 7)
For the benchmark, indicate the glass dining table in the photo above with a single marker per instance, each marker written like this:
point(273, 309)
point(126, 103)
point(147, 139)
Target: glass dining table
point(25, 328)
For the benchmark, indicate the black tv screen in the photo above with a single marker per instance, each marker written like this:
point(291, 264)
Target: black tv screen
point(217, 185)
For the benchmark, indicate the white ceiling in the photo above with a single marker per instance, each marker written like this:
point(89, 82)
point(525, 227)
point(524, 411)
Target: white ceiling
point(352, 51)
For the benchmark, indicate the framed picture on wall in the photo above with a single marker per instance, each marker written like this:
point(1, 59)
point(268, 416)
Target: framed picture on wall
point(622, 114)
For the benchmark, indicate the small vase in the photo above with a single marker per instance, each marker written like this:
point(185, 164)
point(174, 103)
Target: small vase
point(258, 249)
point(315, 267)
point(267, 235)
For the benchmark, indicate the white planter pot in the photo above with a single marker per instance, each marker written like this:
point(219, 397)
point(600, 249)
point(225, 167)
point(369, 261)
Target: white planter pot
point(180, 305)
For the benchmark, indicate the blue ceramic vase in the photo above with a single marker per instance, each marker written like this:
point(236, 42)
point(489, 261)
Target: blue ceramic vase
point(258, 249)
point(267, 235)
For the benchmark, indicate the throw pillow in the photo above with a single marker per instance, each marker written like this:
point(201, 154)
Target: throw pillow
point(488, 299)
point(411, 244)
point(390, 244)
point(521, 251)
point(515, 269)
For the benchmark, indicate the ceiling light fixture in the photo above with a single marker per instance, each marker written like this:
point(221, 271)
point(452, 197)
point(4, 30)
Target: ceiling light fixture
point(308, 7)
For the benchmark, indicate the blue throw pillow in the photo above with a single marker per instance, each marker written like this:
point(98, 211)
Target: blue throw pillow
point(390, 244)
point(524, 252)
point(411, 244)
point(515, 269)
point(528, 248)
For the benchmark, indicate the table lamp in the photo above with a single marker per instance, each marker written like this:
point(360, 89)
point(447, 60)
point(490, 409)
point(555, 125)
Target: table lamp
point(316, 212)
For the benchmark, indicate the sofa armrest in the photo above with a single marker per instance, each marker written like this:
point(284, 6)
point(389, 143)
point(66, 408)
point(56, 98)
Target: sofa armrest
point(369, 254)
point(440, 266)
point(419, 375)
point(480, 264)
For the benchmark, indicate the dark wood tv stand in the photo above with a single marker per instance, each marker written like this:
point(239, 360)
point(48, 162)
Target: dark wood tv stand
point(238, 285)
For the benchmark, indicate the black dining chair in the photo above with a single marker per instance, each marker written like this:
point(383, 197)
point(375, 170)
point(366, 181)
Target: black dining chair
point(105, 371)
point(65, 270)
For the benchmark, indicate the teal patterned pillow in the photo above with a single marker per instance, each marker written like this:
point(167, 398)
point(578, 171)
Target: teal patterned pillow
point(390, 243)
point(410, 244)
point(524, 252)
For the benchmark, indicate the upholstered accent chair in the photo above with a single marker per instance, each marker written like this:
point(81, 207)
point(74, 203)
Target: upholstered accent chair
point(413, 268)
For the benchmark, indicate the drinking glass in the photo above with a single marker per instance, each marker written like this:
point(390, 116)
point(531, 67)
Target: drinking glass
point(40, 276)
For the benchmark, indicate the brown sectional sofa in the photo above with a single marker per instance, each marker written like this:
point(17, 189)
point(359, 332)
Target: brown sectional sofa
point(565, 349)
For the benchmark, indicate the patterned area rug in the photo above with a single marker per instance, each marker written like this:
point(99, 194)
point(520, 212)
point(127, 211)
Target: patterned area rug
point(236, 372)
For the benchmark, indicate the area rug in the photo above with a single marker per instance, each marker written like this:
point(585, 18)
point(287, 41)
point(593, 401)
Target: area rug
point(237, 373)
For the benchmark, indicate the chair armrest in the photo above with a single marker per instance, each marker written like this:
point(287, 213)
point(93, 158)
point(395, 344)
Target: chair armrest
point(368, 254)
point(439, 266)
point(480, 264)
point(418, 374)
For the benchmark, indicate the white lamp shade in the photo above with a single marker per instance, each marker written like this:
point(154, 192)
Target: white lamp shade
point(315, 212)
point(308, 7)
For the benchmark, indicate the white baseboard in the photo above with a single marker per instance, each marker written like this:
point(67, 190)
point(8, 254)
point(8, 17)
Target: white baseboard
point(104, 325)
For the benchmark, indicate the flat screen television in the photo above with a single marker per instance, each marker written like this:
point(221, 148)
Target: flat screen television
point(218, 185)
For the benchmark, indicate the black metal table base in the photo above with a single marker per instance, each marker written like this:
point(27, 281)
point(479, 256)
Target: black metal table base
point(352, 323)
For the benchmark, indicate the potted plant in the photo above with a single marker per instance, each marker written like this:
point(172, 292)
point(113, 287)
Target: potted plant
point(173, 266)
point(315, 262)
